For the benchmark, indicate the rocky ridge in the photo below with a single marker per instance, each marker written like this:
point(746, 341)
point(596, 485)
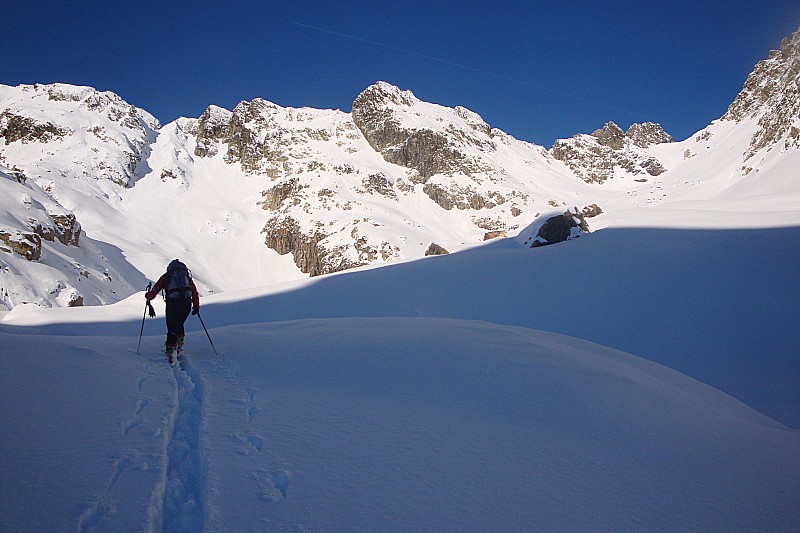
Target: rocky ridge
point(330, 189)
point(428, 147)
point(290, 150)
point(771, 95)
point(311, 163)
point(610, 152)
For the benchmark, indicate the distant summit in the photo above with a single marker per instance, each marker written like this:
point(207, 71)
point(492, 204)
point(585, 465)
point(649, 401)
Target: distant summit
point(608, 151)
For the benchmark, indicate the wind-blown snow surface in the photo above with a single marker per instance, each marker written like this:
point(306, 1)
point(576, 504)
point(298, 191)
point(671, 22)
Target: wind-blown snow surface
point(425, 396)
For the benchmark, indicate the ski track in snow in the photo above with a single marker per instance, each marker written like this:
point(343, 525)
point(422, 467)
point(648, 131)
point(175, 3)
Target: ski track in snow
point(178, 502)
point(182, 506)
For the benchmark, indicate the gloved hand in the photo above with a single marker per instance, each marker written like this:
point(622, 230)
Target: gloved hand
point(150, 310)
point(195, 310)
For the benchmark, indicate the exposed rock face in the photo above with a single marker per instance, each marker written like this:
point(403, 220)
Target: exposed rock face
point(274, 197)
point(609, 152)
point(264, 138)
point(647, 134)
point(591, 211)
point(427, 152)
point(557, 228)
point(283, 234)
point(610, 135)
point(13, 174)
point(435, 249)
point(772, 94)
point(449, 196)
point(446, 199)
point(495, 234)
point(26, 244)
point(68, 229)
point(379, 184)
point(62, 226)
point(243, 135)
point(211, 127)
point(14, 128)
point(382, 114)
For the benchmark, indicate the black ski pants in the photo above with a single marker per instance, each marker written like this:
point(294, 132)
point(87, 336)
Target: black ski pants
point(177, 311)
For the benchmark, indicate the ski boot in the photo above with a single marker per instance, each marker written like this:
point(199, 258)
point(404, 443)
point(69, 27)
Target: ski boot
point(179, 347)
point(170, 350)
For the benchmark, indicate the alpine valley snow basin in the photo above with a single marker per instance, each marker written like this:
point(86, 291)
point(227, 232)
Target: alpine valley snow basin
point(452, 392)
point(380, 424)
point(719, 305)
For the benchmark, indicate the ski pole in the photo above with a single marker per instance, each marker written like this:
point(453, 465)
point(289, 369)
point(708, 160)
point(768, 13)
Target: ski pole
point(146, 304)
point(207, 335)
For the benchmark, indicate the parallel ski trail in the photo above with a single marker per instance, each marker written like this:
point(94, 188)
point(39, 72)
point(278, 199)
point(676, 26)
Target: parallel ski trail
point(184, 492)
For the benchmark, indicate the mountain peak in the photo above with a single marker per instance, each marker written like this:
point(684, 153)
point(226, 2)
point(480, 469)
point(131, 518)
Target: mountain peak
point(610, 135)
point(647, 134)
point(425, 137)
point(610, 151)
point(383, 91)
point(773, 81)
point(771, 94)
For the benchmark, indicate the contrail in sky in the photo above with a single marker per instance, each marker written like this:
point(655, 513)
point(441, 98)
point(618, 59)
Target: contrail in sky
point(466, 67)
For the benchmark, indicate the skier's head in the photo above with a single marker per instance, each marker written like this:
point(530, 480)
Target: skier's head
point(175, 263)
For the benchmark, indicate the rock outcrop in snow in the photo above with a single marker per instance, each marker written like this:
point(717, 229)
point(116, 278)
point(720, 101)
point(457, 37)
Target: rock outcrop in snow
point(610, 152)
point(36, 217)
point(431, 140)
point(553, 228)
point(427, 138)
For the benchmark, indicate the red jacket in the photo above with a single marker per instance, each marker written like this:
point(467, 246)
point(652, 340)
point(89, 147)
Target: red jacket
point(161, 283)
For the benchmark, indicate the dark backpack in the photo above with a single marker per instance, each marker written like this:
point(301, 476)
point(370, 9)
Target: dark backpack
point(179, 281)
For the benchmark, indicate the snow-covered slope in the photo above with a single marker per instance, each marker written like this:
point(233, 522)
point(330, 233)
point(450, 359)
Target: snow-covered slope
point(419, 397)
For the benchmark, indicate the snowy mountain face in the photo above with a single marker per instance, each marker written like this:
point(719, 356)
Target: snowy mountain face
point(62, 148)
point(97, 196)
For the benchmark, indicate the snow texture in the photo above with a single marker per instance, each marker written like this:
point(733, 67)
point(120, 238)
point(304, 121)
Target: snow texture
point(361, 401)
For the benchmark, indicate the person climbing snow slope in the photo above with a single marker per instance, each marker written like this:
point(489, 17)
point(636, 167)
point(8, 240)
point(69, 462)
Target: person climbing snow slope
point(180, 294)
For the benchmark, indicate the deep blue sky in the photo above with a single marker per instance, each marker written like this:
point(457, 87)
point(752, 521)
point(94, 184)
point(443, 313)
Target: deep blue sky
point(537, 70)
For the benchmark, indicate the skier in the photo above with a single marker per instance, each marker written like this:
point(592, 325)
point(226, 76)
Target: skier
point(181, 297)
